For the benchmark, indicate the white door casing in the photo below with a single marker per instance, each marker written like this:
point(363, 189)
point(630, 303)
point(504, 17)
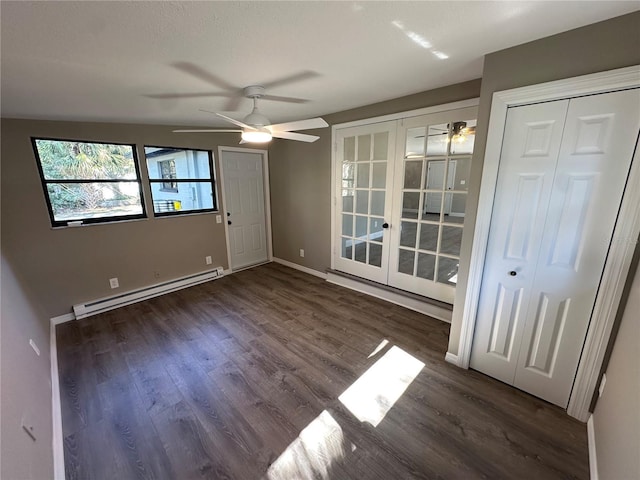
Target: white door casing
point(621, 250)
point(244, 179)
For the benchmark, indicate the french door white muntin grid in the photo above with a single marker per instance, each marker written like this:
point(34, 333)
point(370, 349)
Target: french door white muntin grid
point(392, 124)
point(412, 282)
point(355, 199)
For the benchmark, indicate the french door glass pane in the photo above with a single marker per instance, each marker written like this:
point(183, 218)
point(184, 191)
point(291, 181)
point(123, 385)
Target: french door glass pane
point(432, 206)
point(364, 148)
point(375, 229)
point(447, 270)
point(363, 175)
point(451, 239)
point(379, 175)
point(415, 142)
point(458, 203)
point(410, 204)
point(412, 174)
point(361, 252)
point(380, 145)
point(362, 201)
point(405, 261)
point(347, 200)
point(346, 250)
point(463, 137)
point(377, 202)
point(426, 266)
point(428, 236)
point(438, 139)
point(349, 149)
point(361, 227)
point(435, 175)
point(347, 225)
point(408, 234)
point(375, 254)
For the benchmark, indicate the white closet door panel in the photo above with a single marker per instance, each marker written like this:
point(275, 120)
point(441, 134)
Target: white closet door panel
point(594, 161)
point(529, 155)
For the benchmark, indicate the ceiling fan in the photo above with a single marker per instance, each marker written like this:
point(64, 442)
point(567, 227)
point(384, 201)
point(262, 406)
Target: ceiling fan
point(256, 128)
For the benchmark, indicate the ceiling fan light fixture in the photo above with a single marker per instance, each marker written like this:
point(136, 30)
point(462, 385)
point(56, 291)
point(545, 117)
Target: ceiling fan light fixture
point(256, 136)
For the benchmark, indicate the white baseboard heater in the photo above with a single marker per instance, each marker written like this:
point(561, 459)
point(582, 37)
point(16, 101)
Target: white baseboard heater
point(94, 307)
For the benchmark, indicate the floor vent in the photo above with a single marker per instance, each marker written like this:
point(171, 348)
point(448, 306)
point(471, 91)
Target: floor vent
point(94, 307)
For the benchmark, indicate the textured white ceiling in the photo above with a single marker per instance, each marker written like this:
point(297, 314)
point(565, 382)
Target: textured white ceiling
point(100, 60)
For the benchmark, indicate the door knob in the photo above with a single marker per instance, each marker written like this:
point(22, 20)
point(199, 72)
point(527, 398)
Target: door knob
point(513, 273)
point(385, 225)
point(228, 222)
point(228, 214)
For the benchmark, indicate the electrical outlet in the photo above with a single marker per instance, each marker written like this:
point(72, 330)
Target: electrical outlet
point(218, 218)
point(207, 259)
point(114, 282)
point(302, 252)
point(34, 346)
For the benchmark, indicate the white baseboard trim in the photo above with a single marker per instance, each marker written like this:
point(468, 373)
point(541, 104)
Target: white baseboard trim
point(308, 270)
point(452, 358)
point(56, 408)
point(593, 459)
point(406, 302)
point(67, 317)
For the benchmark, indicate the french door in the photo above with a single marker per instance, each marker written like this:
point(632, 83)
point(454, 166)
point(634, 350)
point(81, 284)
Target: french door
point(563, 171)
point(401, 189)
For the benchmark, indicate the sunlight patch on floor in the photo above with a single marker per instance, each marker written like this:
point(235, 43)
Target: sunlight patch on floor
point(383, 344)
point(311, 455)
point(372, 395)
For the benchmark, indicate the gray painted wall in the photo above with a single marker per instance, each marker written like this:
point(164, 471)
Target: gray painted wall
point(616, 419)
point(72, 265)
point(599, 47)
point(301, 178)
point(25, 388)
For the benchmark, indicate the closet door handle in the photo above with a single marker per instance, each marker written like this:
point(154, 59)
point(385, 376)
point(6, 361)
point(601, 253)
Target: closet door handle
point(513, 273)
point(385, 225)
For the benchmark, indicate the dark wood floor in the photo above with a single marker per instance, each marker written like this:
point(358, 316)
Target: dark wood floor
point(239, 378)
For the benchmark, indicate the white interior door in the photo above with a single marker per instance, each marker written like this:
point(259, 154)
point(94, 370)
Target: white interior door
point(563, 171)
point(245, 202)
point(363, 199)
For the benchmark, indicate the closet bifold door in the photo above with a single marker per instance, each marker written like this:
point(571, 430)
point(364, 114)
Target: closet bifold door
point(433, 160)
point(562, 175)
point(364, 171)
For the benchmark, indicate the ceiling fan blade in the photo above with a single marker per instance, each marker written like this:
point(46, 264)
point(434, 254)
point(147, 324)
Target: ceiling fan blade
point(301, 137)
point(188, 95)
point(236, 122)
point(216, 130)
point(204, 75)
point(296, 77)
point(299, 125)
point(276, 98)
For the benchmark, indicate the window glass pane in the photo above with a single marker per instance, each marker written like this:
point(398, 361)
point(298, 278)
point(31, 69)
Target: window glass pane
point(379, 175)
point(360, 252)
point(346, 251)
point(380, 145)
point(362, 201)
point(347, 225)
point(187, 197)
point(82, 201)
point(438, 139)
point(167, 163)
point(350, 149)
point(415, 142)
point(364, 148)
point(463, 137)
point(375, 254)
point(426, 266)
point(432, 206)
point(456, 212)
point(408, 234)
point(428, 236)
point(363, 175)
point(66, 160)
point(410, 204)
point(377, 203)
point(447, 271)
point(361, 226)
point(375, 229)
point(405, 261)
point(412, 174)
point(347, 200)
point(451, 239)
